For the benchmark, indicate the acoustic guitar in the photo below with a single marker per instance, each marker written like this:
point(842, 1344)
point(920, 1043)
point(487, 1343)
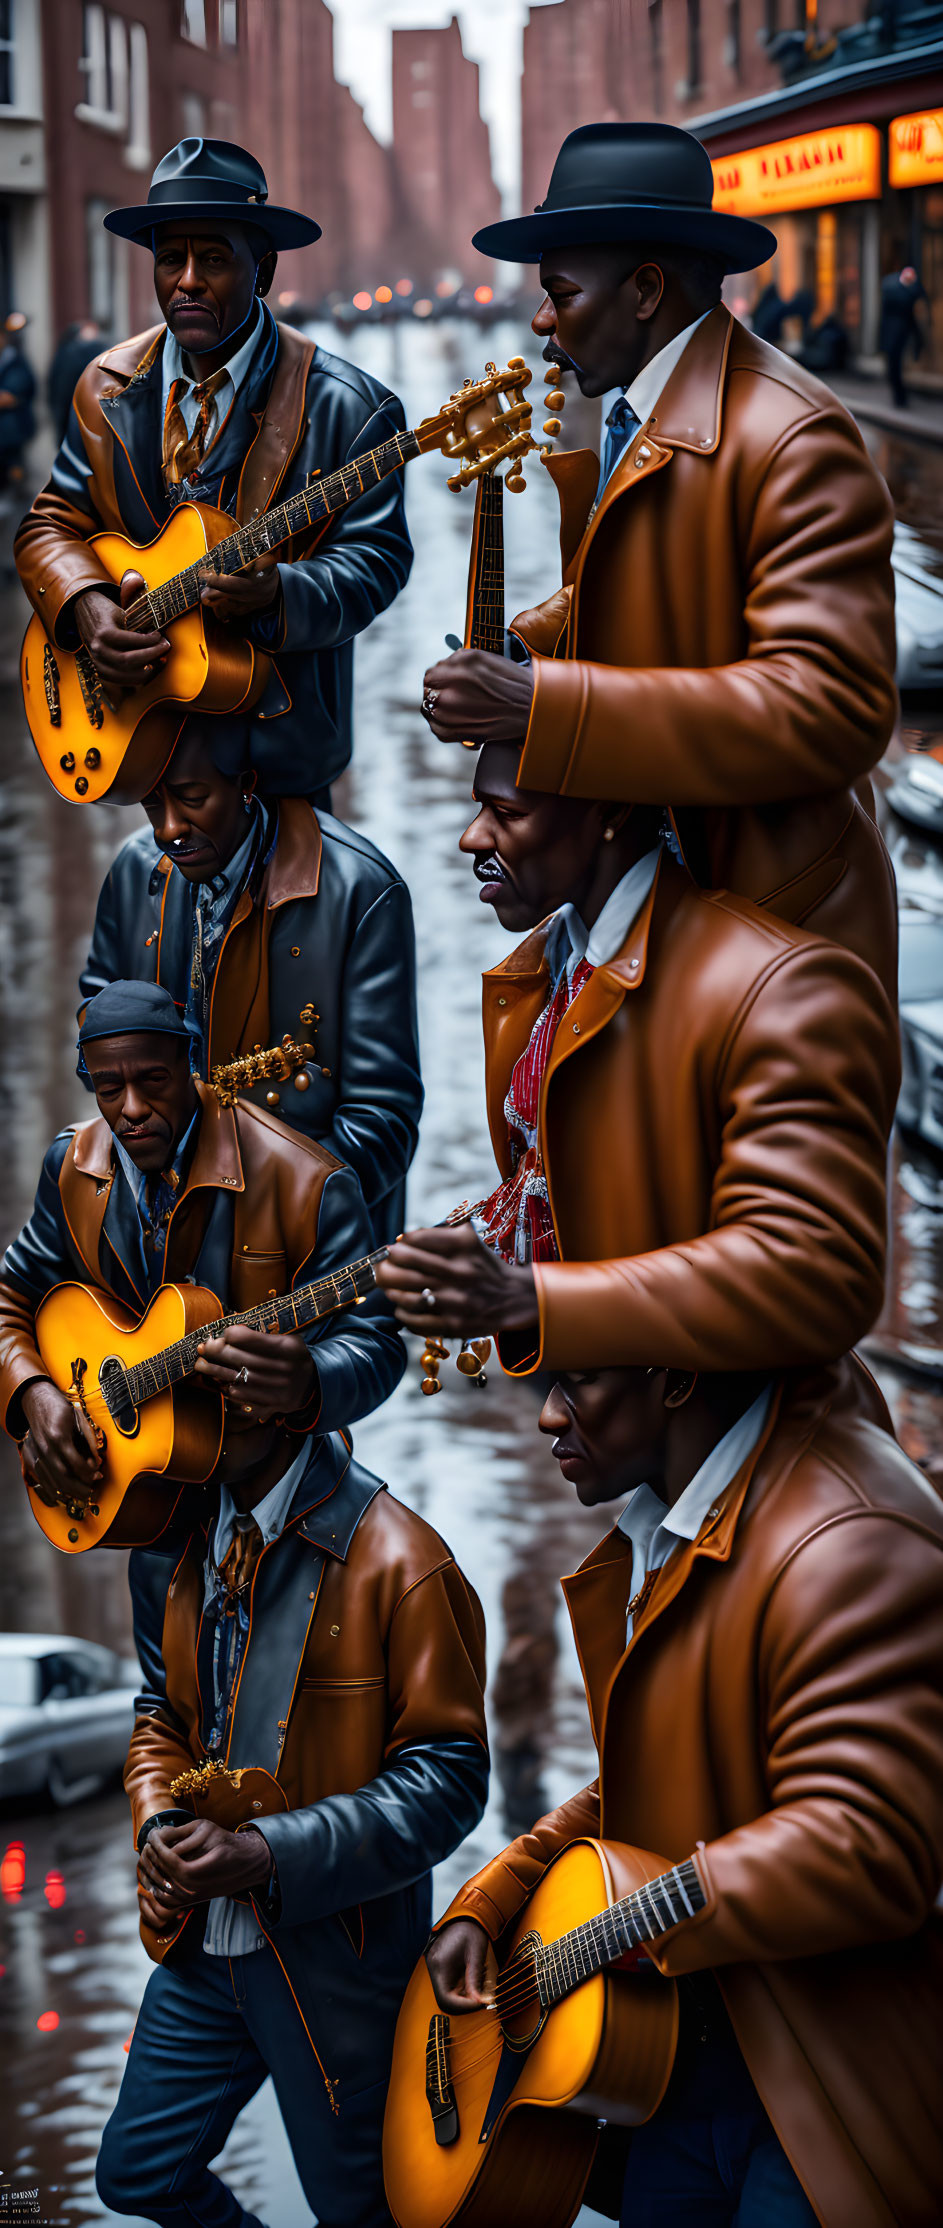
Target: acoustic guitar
point(92, 747)
point(157, 1428)
point(492, 2118)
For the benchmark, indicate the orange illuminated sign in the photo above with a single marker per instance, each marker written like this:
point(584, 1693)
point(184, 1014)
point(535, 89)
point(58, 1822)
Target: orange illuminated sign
point(807, 173)
point(915, 149)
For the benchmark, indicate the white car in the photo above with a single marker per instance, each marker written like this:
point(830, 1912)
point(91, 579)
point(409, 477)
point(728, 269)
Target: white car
point(66, 1712)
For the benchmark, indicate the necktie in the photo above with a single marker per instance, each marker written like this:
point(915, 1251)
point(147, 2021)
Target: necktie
point(621, 423)
point(238, 1565)
point(183, 452)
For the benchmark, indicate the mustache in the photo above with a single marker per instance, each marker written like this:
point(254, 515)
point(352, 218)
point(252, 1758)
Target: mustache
point(558, 356)
point(186, 301)
point(490, 869)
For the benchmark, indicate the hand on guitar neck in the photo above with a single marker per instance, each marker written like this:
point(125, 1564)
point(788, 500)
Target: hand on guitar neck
point(123, 658)
point(240, 595)
point(475, 697)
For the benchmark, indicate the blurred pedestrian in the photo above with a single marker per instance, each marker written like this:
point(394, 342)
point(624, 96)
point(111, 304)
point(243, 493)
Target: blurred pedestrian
point(770, 314)
point(825, 347)
point(17, 388)
point(901, 291)
point(80, 342)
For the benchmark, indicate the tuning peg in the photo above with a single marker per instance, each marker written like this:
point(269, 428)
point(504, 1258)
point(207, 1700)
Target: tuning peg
point(551, 426)
point(515, 485)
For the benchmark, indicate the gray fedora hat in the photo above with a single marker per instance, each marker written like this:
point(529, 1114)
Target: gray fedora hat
point(202, 181)
point(646, 182)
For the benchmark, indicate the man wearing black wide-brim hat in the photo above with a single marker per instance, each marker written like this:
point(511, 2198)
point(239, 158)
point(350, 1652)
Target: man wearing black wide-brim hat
point(223, 406)
point(723, 641)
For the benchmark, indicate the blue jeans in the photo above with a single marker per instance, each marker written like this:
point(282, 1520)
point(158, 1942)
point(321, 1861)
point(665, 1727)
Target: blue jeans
point(710, 2158)
point(209, 2031)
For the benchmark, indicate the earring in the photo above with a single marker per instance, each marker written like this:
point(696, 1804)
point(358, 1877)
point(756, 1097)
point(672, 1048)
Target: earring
point(682, 1391)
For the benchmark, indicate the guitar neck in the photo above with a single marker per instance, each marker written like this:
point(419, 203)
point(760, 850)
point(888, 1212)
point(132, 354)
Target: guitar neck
point(604, 1939)
point(310, 507)
point(289, 1313)
point(484, 619)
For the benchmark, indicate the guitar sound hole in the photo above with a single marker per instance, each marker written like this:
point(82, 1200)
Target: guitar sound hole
point(518, 1995)
point(114, 1385)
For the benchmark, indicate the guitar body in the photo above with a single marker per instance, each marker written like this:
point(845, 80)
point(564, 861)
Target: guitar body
point(526, 2130)
point(174, 1438)
point(121, 753)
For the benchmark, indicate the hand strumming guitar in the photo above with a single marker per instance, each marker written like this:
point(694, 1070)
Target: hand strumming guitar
point(462, 1966)
point(58, 1467)
point(123, 657)
point(475, 697)
point(180, 1866)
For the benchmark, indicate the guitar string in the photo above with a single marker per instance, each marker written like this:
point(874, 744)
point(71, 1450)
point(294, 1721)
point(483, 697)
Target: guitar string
point(513, 1989)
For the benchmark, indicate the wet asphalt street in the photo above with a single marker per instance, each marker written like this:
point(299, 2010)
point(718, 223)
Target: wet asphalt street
point(471, 1461)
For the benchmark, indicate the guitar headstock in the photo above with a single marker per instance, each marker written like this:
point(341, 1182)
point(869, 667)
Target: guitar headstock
point(486, 423)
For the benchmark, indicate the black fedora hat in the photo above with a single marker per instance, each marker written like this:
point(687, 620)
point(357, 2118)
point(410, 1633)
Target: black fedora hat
point(648, 182)
point(202, 180)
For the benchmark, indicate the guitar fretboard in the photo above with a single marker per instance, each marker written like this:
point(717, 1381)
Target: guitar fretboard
point(485, 618)
point(602, 1940)
point(289, 1313)
point(310, 507)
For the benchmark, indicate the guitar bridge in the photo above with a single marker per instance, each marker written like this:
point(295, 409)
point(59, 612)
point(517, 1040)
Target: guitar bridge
point(51, 686)
point(91, 688)
point(440, 2095)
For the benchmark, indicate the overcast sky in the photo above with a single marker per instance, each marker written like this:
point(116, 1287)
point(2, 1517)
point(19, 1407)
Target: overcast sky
point(491, 36)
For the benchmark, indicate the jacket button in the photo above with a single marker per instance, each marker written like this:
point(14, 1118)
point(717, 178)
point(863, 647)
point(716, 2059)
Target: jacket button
point(334, 1631)
point(576, 1028)
point(296, 951)
point(271, 1099)
point(633, 966)
point(502, 1001)
point(310, 1597)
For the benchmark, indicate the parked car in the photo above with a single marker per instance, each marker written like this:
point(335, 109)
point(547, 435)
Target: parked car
point(66, 1711)
point(918, 578)
point(920, 1107)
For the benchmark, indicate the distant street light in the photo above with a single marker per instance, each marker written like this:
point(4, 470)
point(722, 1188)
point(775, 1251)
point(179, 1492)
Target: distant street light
point(363, 301)
point(423, 308)
point(404, 286)
point(383, 294)
point(484, 293)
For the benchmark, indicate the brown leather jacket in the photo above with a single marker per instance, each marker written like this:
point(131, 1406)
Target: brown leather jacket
point(258, 1204)
point(785, 1719)
point(53, 556)
point(724, 639)
point(713, 1122)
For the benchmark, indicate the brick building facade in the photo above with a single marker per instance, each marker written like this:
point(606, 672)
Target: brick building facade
point(442, 158)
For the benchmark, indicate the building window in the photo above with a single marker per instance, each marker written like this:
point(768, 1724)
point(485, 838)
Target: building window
point(655, 29)
point(694, 45)
point(193, 21)
point(101, 263)
point(228, 23)
point(771, 19)
point(138, 150)
point(7, 50)
point(104, 65)
point(192, 116)
point(732, 43)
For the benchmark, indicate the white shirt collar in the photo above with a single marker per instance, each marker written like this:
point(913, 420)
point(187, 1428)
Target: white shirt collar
point(174, 367)
point(650, 383)
point(655, 1530)
point(608, 933)
point(269, 1514)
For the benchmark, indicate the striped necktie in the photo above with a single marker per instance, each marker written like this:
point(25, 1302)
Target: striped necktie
point(621, 424)
point(183, 452)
